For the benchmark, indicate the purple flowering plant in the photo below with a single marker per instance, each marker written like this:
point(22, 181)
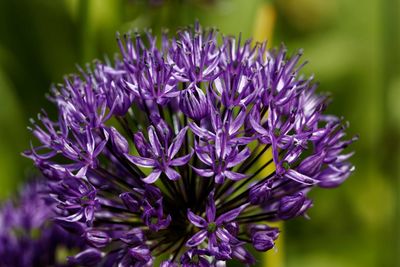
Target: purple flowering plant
point(29, 236)
point(183, 152)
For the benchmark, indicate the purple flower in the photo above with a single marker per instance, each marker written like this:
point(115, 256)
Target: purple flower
point(159, 155)
point(88, 257)
point(153, 215)
point(195, 257)
point(77, 198)
point(215, 230)
point(28, 236)
point(136, 253)
point(221, 158)
point(293, 206)
point(186, 150)
point(263, 237)
point(193, 103)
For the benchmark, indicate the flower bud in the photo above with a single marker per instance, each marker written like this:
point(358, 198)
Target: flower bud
point(260, 193)
point(263, 236)
point(97, 238)
point(118, 142)
point(293, 206)
point(88, 257)
point(193, 104)
point(130, 202)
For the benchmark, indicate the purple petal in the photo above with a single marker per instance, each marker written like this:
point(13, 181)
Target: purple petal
point(100, 148)
point(177, 143)
point(89, 213)
point(152, 177)
point(312, 164)
point(197, 239)
point(234, 175)
point(182, 160)
point(203, 172)
point(220, 144)
point(141, 144)
point(230, 215)
point(119, 142)
point(196, 220)
point(257, 127)
point(154, 141)
point(219, 178)
point(301, 178)
point(334, 176)
point(141, 161)
point(204, 157)
point(200, 132)
point(72, 218)
point(132, 87)
point(130, 202)
point(238, 122)
point(172, 174)
point(82, 172)
point(243, 155)
point(225, 236)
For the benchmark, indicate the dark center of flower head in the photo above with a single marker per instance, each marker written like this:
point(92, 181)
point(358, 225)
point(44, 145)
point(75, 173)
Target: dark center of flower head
point(277, 132)
point(154, 220)
point(85, 199)
point(286, 165)
point(212, 227)
point(195, 259)
point(207, 150)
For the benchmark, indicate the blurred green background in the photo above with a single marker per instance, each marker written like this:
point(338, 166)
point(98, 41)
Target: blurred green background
point(354, 51)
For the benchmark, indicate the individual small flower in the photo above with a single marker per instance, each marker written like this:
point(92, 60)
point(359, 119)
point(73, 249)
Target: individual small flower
point(215, 230)
point(193, 103)
point(28, 236)
point(261, 192)
point(152, 80)
point(195, 55)
point(263, 237)
point(77, 198)
point(153, 215)
point(88, 257)
point(159, 155)
point(97, 238)
point(187, 151)
point(136, 253)
point(293, 206)
point(195, 257)
point(221, 159)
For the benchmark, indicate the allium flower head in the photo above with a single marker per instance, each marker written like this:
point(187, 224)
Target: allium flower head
point(187, 150)
point(28, 235)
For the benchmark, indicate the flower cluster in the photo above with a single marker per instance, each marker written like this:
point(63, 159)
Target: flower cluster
point(28, 237)
point(183, 152)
